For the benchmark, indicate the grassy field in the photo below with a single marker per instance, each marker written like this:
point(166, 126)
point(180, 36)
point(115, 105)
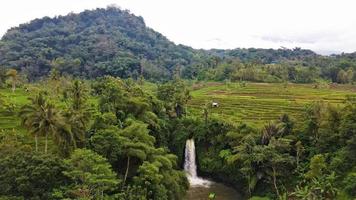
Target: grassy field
point(258, 103)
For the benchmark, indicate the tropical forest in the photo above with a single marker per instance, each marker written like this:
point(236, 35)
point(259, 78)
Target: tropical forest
point(96, 105)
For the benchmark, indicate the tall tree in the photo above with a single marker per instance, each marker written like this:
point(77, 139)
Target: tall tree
point(112, 95)
point(132, 144)
point(137, 143)
point(271, 130)
point(92, 175)
point(175, 96)
point(206, 107)
point(42, 118)
point(78, 112)
point(12, 73)
point(245, 156)
point(29, 175)
point(29, 112)
point(2, 76)
point(276, 160)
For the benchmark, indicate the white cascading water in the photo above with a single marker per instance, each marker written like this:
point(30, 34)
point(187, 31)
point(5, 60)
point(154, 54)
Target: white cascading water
point(190, 166)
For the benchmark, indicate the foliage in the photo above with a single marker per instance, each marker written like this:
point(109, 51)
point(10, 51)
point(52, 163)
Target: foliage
point(175, 96)
point(41, 118)
point(3, 76)
point(155, 171)
point(30, 175)
point(136, 139)
point(91, 44)
point(274, 140)
point(350, 184)
point(12, 73)
point(317, 165)
point(91, 173)
point(78, 112)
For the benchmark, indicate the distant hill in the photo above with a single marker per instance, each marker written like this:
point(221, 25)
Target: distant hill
point(115, 42)
point(265, 56)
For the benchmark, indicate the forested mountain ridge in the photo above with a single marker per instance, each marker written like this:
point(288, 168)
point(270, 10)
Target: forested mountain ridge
point(265, 56)
point(115, 42)
point(92, 43)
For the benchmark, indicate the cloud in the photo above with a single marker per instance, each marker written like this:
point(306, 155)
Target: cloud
point(327, 41)
point(290, 39)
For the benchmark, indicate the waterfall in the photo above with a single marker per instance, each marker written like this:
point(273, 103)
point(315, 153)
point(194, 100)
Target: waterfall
point(190, 166)
point(189, 163)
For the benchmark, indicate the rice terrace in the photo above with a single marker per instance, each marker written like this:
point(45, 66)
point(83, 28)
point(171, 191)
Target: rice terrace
point(258, 103)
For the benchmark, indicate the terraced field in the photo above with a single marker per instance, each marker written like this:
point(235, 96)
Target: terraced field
point(257, 103)
point(8, 118)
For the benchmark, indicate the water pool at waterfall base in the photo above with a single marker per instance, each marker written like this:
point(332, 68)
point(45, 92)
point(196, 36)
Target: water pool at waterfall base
point(221, 192)
point(200, 188)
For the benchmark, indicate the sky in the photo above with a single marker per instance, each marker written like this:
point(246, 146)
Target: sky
point(324, 26)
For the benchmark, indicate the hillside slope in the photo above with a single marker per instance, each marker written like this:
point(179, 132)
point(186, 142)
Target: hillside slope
point(92, 43)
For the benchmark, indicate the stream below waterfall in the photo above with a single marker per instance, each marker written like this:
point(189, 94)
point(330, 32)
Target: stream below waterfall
point(200, 188)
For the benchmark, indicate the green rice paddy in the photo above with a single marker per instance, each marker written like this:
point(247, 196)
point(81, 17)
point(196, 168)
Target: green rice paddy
point(9, 119)
point(258, 103)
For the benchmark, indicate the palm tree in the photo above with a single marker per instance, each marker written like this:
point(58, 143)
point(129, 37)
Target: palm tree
point(50, 122)
point(206, 113)
point(30, 114)
point(65, 140)
point(79, 95)
point(41, 118)
point(13, 74)
point(78, 121)
point(78, 114)
point(271, 130)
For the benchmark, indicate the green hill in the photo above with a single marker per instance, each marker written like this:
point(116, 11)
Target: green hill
point(93, 43)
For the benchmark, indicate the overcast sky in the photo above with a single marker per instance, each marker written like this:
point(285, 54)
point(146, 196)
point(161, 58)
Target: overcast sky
point(325, 26)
